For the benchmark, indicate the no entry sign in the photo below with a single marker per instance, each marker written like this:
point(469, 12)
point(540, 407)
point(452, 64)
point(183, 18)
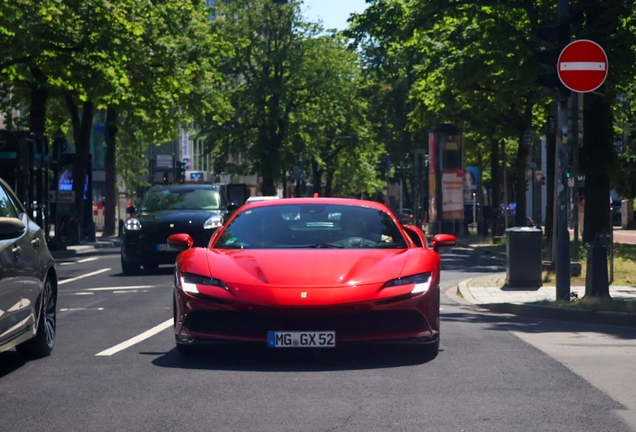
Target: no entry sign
point(582, 66)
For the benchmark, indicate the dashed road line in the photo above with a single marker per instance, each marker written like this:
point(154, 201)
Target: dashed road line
point(83, 276)
point(133, 287)
point(135, 340)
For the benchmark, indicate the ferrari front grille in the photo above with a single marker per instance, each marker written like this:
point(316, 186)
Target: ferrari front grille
point(350, 324)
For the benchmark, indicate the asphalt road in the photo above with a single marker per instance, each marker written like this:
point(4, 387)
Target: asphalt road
point(114, 368)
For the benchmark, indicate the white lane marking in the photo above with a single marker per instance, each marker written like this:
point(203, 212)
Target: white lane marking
point(133, 287)
point(135, 340)
point(79, 309)
point(64, 264)
point(125, 292)
point(83, 276)
point(83, 293)
point(88, 260)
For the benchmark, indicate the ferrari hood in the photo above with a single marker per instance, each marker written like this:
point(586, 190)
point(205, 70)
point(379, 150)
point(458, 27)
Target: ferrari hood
point(299, 268)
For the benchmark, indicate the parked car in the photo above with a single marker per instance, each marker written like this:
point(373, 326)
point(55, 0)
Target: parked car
point(309, 272)
point(195, 209)
point(406, 216)
point(28, 282)
point(616, 206)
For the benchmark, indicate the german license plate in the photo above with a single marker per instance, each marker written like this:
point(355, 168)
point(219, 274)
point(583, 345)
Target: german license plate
point(295, 339)
point(165, 248)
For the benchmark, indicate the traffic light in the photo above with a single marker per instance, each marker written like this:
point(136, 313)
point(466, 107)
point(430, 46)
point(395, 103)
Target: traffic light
point(556, 37)
point(166, 177)
point(181, 172)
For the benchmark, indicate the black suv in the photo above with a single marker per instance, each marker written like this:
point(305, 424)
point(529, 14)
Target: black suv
point(195, 209)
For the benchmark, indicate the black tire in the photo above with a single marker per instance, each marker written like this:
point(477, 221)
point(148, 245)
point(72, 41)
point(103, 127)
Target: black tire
point(187, 351)
point(429, 349)
point(41, 345)
point(129, 268)
point(151, 267)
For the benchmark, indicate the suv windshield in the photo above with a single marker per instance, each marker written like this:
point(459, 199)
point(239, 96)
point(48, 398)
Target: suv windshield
point(181, 199)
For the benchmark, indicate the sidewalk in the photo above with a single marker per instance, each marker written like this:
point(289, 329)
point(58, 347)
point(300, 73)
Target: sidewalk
point(489, 292)
point(87, 248)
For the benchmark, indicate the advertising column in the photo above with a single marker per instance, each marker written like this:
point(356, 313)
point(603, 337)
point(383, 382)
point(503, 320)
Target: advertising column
point(446, 200)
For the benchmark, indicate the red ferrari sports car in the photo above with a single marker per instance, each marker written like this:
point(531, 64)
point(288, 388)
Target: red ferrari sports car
point(309, 272)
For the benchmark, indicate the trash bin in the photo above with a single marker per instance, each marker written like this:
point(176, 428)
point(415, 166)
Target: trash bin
point(523, 257)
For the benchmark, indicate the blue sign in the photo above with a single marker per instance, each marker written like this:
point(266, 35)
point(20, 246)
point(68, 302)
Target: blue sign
point(196, 175)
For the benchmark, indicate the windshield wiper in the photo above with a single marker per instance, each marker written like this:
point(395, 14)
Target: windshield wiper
point(325, 246)
point(315, 246)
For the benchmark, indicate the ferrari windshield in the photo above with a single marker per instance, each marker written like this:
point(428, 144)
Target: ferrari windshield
point(316, 226)
point(183, 198)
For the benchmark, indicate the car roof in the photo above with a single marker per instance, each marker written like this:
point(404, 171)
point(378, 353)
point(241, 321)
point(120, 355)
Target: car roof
point(186, 186)
point(261, 198)
point(322, 200)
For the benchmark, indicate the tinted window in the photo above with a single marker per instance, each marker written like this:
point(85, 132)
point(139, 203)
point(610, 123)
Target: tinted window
point(312, 226)
point(181, 199)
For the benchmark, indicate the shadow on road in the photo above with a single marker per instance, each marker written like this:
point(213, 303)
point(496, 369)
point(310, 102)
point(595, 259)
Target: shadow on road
point(260, 359)
point(466, 259)
point(515, 323)
point(10, 361)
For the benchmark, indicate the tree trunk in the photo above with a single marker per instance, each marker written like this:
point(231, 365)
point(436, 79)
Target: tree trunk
point(598, 157)
point(79, 227)
point(110, 183)
point(496, 181)
point(520, 184)
point(37, 110)
point(316, 173)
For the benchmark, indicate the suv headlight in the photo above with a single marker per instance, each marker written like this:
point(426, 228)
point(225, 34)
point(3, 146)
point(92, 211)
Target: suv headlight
point(132, 224)
point(214, 222)
point(421, 282)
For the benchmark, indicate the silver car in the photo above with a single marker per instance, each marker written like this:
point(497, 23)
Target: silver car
point(28, 282)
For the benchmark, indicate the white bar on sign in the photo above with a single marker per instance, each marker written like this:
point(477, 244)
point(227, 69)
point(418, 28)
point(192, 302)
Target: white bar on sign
point(582, 66)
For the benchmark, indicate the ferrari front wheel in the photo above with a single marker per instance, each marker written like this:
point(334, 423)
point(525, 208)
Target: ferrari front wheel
point(187, 350)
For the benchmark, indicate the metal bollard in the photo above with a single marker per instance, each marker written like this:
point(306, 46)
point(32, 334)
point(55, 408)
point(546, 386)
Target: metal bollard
point(596, 279)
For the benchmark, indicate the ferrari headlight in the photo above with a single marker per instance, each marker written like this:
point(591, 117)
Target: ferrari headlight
point(214, 222)
point(133, 224)
point(421, 282)
point(189, 282)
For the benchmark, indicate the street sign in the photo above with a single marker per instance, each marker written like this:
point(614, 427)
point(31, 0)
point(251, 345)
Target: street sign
point(582, 66)
point(63, 197)
point(538, 176)
point(196, 176)
point(164, 161)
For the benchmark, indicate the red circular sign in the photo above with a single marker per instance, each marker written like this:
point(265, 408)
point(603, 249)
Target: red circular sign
point(582, 66)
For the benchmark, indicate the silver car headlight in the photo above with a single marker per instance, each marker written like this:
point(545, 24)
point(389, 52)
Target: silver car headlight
point(214, 222)
point(132, 224)
point(421, 282)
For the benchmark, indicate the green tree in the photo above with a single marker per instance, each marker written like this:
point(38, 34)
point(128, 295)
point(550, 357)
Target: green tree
point(294, 93)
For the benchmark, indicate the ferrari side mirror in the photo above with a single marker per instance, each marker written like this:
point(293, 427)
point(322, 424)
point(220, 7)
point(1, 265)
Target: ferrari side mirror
point(180, 241)
point(443, 240)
